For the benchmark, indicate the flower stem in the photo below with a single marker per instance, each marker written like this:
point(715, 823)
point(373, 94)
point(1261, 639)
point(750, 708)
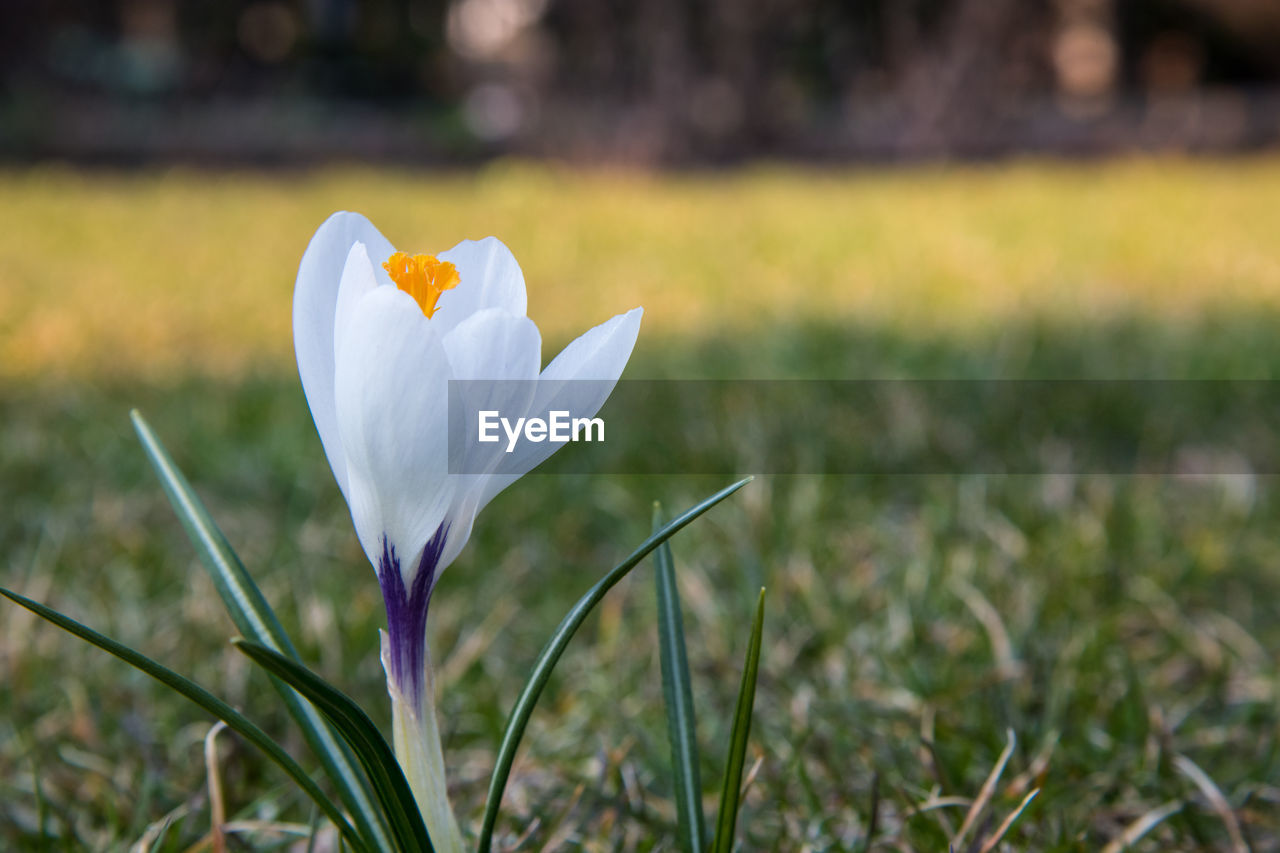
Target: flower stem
point(416, 737)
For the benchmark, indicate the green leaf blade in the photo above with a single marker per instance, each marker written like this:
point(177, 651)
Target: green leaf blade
point(236, 721)
point(731, 792)
point(551, 652)
point(255, 619)
point(372, 751)
point(677, 693)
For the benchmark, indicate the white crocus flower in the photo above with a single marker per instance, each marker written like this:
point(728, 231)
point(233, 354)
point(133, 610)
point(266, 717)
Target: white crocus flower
point(378, 335)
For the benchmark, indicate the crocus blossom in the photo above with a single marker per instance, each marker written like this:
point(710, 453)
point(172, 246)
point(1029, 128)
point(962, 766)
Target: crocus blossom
point(378, 335)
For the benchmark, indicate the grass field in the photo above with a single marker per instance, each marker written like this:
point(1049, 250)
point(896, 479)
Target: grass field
point(1125, 629)
point(175, 271)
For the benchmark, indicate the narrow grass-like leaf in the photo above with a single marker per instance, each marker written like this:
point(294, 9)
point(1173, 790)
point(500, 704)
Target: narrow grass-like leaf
point(555, 647)
point(732, 790)
point(255, 619)
point(202, 697)
point(42, 811)
point(377, 759)
point(677, 694)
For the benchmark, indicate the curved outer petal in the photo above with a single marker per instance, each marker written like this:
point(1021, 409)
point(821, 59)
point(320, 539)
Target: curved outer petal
point(599, 354)
point(391, 392)
point(491, 344)
point(489, 277)
point(357, 280)
point(314, 304)
point(494, 343)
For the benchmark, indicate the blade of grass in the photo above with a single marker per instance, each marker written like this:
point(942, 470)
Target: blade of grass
point(377, 759)
point(986, 792)
point(255, 619)
point(42, 812)
point(1008, 822)
point(1217, 801)
point(555, 647)
point(1134, 832)
point(677, 694)
point(732, 790)
point(202, 697)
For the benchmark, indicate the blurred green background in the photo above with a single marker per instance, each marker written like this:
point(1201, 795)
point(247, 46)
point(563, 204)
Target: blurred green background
point(1121, 627)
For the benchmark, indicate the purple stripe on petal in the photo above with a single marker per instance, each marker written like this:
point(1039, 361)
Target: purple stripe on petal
point(407, 611)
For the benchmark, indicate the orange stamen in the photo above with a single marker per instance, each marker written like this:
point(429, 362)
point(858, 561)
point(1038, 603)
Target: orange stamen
point(424, 277)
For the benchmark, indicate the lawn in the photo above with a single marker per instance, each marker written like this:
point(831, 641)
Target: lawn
point(176, 271)
point(1124, 629)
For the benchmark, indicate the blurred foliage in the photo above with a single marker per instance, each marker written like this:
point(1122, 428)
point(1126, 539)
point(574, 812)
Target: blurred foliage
point(387, 49)
point(655, 82)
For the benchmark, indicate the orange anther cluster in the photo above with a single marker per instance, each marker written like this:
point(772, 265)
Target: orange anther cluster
point(424, 277)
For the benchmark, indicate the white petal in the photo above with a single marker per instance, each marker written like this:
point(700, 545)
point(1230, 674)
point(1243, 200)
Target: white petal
point(503, 352)
point(600, 354)
point(461, 520)
point(314, 302)
point(488, 277)
point(357, 280)
point(391, 387)
point(494, 344)
point(505, 348)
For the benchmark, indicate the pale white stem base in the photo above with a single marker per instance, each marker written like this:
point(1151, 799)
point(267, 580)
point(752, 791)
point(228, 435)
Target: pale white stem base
point(416, 738)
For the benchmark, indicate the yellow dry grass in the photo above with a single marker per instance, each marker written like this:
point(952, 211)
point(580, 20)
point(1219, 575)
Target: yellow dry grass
point(159, 272)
